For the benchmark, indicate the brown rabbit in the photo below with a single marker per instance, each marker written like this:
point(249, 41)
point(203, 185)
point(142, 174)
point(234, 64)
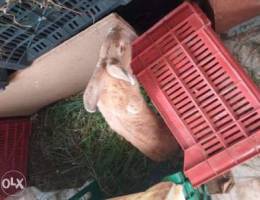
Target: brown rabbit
point(115, 91)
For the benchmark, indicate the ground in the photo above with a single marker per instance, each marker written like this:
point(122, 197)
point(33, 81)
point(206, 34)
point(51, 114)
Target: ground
point(69, 146)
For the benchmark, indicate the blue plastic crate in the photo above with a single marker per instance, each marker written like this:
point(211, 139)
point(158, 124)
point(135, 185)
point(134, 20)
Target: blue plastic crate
point(41, 29)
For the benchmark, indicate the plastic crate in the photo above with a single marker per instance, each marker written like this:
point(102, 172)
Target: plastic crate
point(20, 45)
point(14, 144)
point(190, 193)
point(208, 102)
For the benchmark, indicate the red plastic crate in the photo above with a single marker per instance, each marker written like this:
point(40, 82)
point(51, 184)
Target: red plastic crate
point(206, 99)
point(14, 143)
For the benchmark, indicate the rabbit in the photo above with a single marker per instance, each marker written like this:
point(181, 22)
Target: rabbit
point(115, 91)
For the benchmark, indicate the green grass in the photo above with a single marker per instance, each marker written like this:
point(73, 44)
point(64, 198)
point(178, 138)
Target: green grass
point(70, 146)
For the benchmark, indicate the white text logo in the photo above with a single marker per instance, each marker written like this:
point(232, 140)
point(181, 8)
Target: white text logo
point(12, 182)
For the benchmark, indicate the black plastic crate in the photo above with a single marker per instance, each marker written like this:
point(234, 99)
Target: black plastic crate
point(42, 28)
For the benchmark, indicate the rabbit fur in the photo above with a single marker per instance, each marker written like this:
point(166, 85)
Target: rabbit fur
point(115, 91)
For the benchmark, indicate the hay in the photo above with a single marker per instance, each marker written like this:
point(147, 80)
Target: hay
point(69, 146)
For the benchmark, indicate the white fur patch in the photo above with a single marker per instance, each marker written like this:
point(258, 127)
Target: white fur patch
point(131, 109)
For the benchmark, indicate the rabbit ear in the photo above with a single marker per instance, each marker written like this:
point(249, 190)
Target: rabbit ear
point(119, 73)
point(92, 92)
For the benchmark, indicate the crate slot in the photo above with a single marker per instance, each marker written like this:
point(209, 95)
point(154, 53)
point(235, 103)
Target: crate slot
point(197, 46)
point(196, 85)
point(167, 81)
point(174, 54)
point(202, 135)
point(160, 74)
point(191, 79)
point(234, 138)
point(198, 52)
point(182, 63)
point(187, 74)
point(222, 122)
point(166, 43)
point(252, 119)
point(197, 123)
point(221, 117)
point(243, 111)
point(175, 86)
point(181, 27)
point(194, 119)
point(187, 110)
point(170, 87)
point(216, 148)
point(188, 33)
point(205, 133)
point(165, 78)
point(179, 59)
point(211, 63)
point(184, 107)
point(204, 56)
point(192, 41)
point(157, 66)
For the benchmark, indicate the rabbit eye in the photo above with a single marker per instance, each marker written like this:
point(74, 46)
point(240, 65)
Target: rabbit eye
point(122, 47)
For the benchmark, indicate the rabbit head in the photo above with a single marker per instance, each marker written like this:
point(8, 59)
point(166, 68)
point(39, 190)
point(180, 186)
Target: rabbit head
point(114, 60)
point(116, 54)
